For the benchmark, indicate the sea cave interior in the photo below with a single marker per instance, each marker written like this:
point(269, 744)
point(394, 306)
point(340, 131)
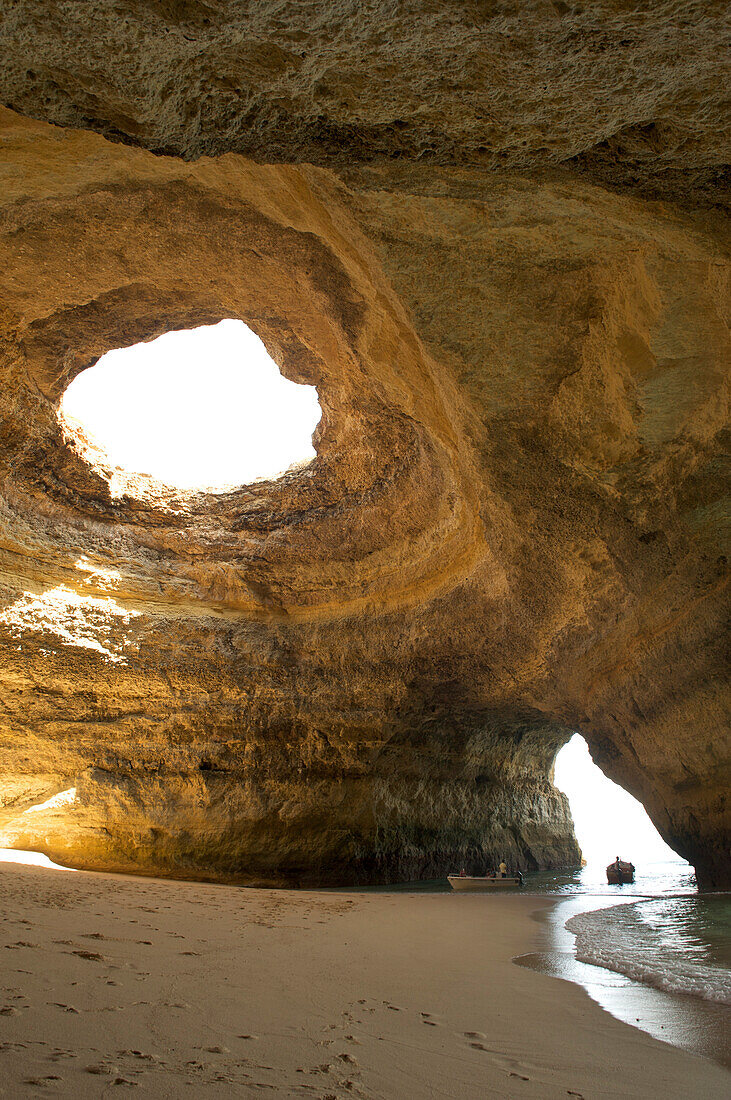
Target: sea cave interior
point(363, 435)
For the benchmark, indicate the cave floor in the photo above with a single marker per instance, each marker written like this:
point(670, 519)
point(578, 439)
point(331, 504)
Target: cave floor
point(176, 988)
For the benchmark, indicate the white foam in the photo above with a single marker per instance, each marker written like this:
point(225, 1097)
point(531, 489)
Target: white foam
point(622, 938)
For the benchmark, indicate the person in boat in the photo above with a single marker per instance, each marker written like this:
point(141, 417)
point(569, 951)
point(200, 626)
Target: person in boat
point(520, 877)
point(503, 869)
point(462, 873)
point(490, 873)
point(618, 865)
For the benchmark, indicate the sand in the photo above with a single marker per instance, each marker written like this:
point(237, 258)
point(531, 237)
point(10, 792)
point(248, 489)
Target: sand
point(177, 989)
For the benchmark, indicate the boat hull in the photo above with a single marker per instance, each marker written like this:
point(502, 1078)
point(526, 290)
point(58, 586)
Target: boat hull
point(481, 883)
point(618, 876)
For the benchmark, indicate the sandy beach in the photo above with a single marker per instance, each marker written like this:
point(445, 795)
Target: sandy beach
point(173, 989)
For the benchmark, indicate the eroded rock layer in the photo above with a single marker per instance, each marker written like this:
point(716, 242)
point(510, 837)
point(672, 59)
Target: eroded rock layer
point(628, 93)
point(363, 670)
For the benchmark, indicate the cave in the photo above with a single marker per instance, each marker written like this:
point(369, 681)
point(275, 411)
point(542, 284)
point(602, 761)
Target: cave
point(360, 671)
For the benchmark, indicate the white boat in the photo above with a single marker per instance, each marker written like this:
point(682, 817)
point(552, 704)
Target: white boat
point(482, 882)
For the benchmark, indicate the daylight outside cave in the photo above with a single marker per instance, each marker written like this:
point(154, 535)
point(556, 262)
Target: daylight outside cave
point(607, 819)
point(198, 409)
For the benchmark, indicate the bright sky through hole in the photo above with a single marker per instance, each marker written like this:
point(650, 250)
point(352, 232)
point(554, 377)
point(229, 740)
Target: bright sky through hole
point(201, 408)
point(609, 822)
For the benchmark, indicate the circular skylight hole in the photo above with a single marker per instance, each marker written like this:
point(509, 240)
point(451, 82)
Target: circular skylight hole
point(204, 408)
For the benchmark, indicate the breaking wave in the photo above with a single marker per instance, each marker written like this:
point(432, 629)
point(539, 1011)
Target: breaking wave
point(677, 944)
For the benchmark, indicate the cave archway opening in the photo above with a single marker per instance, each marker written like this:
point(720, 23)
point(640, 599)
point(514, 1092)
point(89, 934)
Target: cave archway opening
point(198, 409)
point(607, 819)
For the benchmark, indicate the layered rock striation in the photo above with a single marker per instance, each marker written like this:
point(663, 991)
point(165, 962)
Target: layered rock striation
point(513, 528)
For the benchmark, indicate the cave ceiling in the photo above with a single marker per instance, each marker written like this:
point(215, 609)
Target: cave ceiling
point(494, 236)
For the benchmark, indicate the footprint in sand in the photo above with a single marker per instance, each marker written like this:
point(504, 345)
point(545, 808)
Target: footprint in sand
point(93, 956)
point(498, 1058)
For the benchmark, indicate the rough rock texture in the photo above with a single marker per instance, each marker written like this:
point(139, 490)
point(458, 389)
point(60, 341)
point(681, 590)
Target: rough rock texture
point(513, 528)
point(629, 93)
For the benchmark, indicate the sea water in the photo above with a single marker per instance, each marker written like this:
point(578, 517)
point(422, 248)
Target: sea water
point(655, 953)
point(658, 930)
point(678, 944)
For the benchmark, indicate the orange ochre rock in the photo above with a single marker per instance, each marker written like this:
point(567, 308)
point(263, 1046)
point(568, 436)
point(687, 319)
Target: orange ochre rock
point(513, 529)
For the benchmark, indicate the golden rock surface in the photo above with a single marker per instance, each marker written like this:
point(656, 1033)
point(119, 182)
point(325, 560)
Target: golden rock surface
point(361, 671)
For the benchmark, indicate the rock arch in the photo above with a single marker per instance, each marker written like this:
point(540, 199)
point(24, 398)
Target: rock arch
point(512, 529)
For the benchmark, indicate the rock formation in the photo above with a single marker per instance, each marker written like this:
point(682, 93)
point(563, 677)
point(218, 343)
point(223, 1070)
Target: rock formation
point(626, 93)
point(513, 529)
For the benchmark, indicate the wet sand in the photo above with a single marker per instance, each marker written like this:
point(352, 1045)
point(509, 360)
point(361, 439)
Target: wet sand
point(170, 989)
point(695, 1024)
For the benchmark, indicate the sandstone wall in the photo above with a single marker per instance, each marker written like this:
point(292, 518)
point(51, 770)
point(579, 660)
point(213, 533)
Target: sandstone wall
point(363, 670)
point(628, 93)
point(506, 270)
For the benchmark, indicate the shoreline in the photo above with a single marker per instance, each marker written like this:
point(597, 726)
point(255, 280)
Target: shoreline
point(175, 988)
point(687, 1022)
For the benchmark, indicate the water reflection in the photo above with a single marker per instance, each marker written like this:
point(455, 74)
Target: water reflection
point(685, 1021)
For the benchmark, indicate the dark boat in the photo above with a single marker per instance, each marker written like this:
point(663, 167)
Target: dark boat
point(620, 872)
